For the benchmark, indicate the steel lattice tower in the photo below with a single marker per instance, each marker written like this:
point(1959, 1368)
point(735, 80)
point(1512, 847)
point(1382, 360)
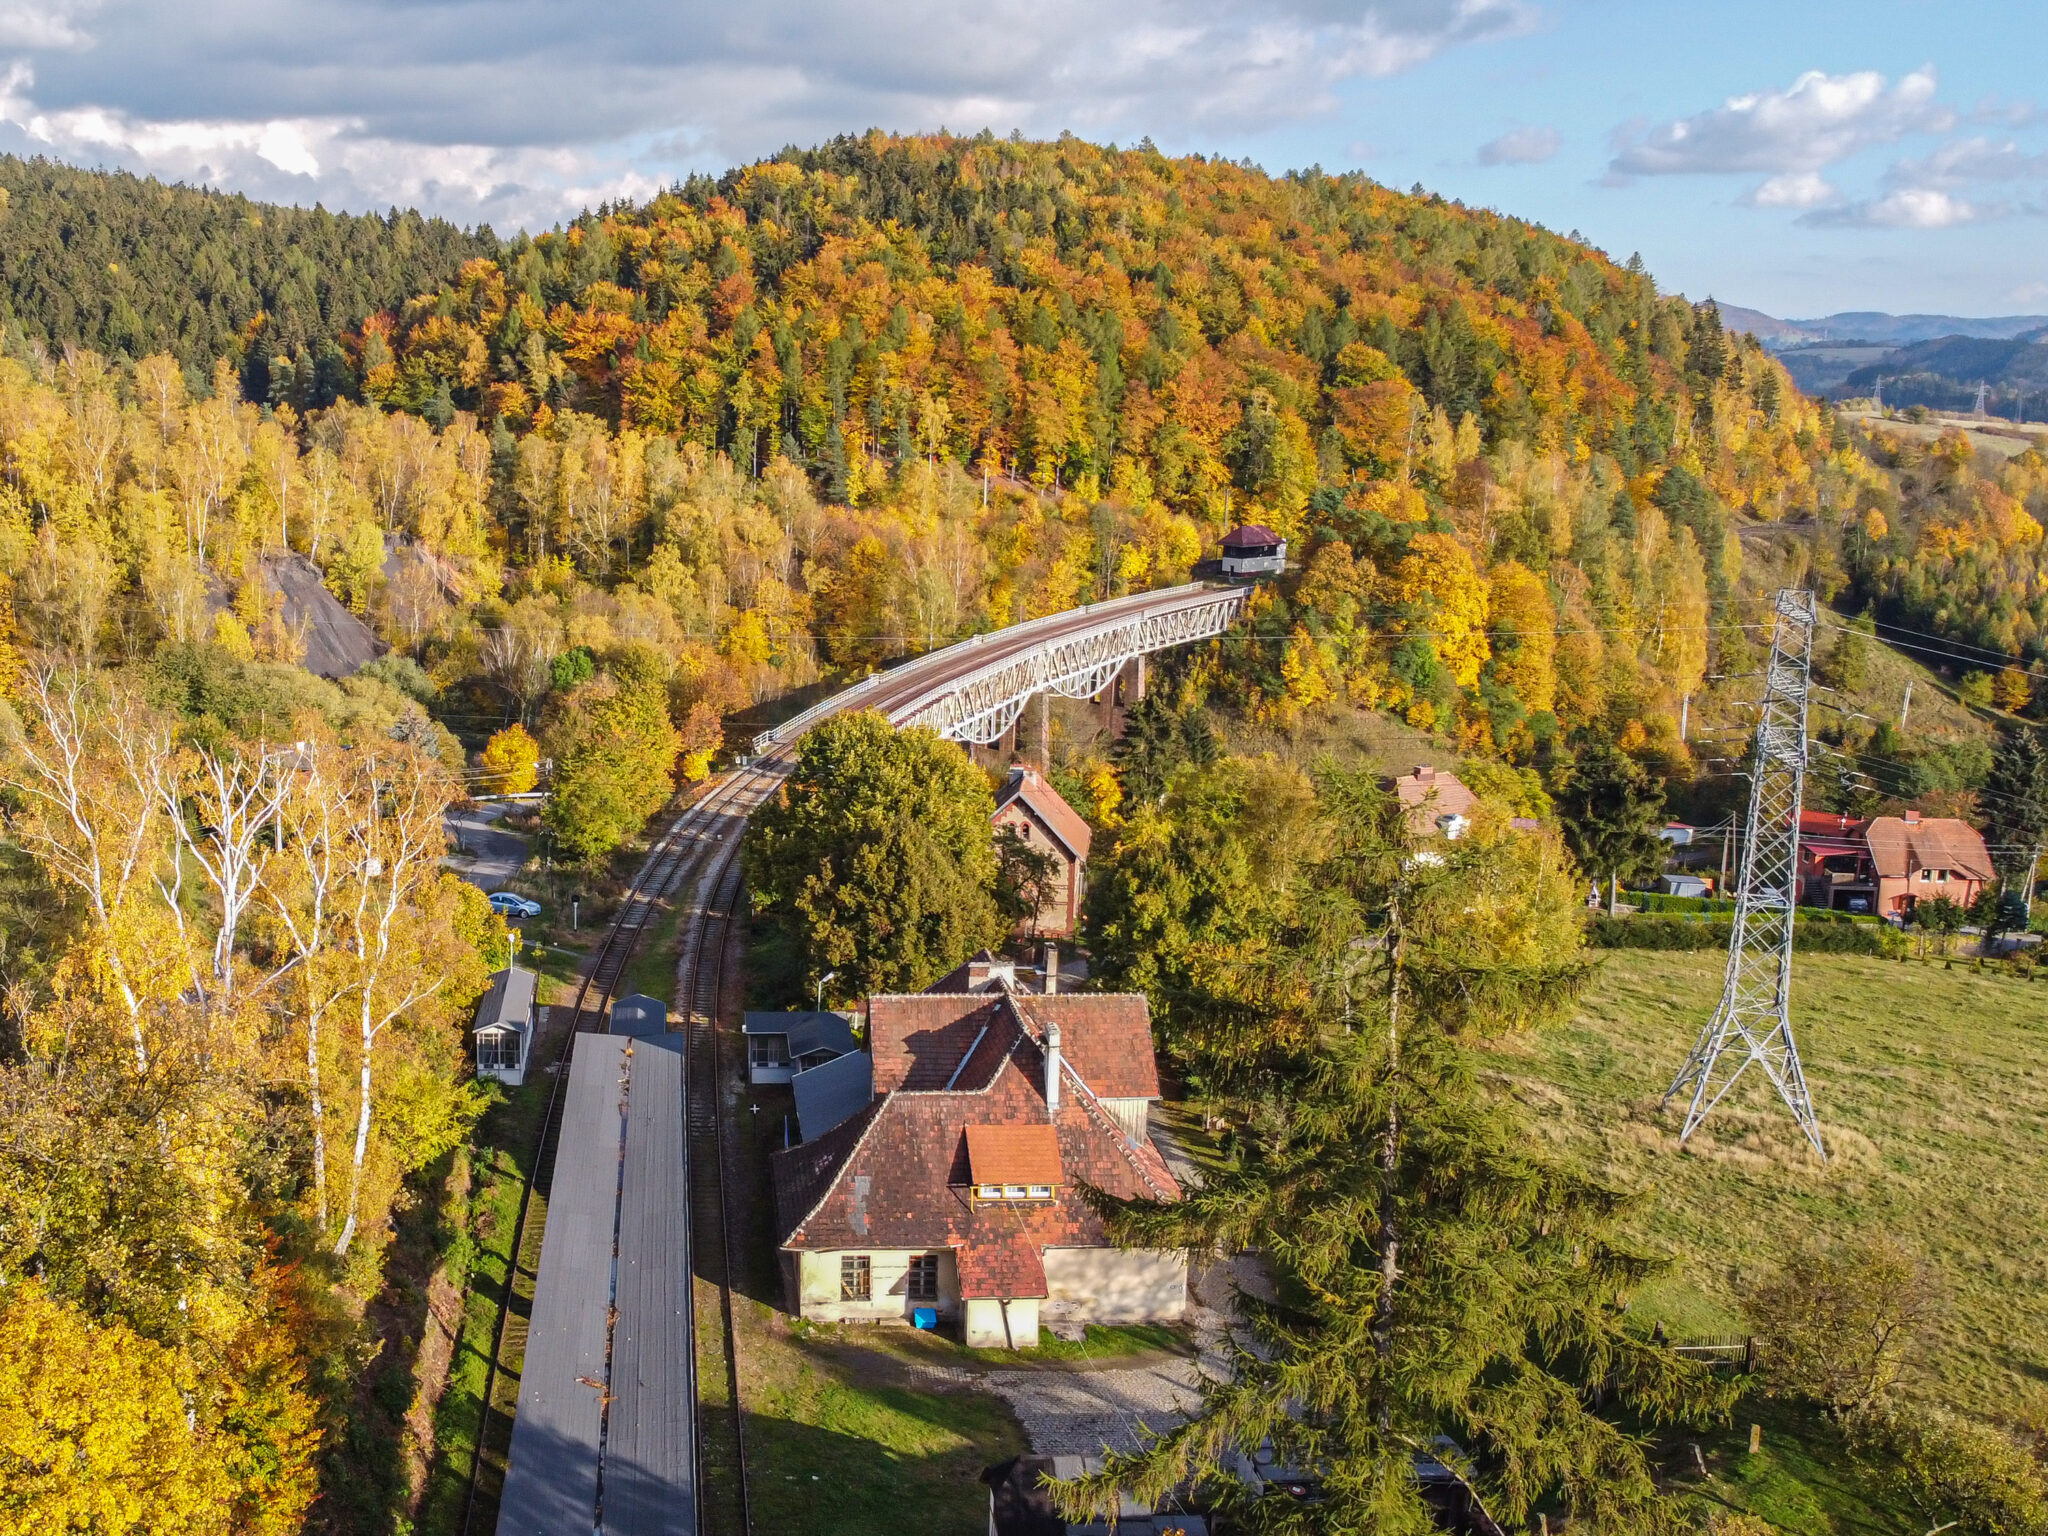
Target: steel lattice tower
point(1754, 1021)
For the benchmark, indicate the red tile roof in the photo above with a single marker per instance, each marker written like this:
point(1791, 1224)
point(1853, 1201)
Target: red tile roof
point(1013, 1154)
point(1898, 847)
point(1004, 1270)
point(1251, 536)
point(899, 1175)
point(1051, 812)
point(920, 1041)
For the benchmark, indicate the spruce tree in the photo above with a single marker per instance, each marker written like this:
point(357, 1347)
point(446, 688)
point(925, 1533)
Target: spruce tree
point(2016, 803)
point(1441, 1289)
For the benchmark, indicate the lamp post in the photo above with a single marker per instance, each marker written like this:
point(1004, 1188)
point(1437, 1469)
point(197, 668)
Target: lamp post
point(828, 976)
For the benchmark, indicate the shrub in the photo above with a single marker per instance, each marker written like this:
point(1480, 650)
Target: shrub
point(1838, 1323)
point(1954, 1470)
point(1829, 933)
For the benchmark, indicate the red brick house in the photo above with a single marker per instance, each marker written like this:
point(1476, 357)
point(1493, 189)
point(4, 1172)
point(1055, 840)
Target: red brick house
point(1888, 864)
point(958, 1188)
point(1033, 809)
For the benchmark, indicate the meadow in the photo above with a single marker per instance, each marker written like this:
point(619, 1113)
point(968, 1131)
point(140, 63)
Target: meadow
point(1932, 1088)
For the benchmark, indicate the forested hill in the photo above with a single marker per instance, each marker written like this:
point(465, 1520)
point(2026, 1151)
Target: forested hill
point(130, 267)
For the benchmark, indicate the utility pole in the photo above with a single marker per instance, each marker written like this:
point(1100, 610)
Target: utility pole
point(1753, 1023)
point(1905, 705)
point(1684, 717)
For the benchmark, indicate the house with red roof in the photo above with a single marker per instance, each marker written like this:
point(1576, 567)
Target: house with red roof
point(1253, 550)
point(1888, 864)
point(957, 1191)
point(1033, 810)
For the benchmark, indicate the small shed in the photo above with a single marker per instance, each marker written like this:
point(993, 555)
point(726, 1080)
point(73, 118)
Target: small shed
point(1684, 885)
point(638, 1014)
point(832, 1092)
point(780, 1045)
point(1253, 550)
point(504, 1026)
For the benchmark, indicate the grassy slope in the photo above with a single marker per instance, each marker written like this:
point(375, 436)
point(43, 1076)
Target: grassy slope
point(1932, 1086)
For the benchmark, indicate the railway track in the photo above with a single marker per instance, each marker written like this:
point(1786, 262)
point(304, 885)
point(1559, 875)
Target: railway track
point(702, 975)
point(700, 836)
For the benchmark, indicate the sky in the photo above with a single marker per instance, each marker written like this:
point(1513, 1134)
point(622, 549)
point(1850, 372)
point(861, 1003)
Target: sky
point(1802, 157)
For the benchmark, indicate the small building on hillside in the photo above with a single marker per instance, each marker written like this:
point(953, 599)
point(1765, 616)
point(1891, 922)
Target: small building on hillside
point(1253, 550)
point(1889, 864)
point(1436, 802)
point(781, 1045)
point(1684, 885)
point(956, 1191)
point(1032, 809)
point(503, 1031)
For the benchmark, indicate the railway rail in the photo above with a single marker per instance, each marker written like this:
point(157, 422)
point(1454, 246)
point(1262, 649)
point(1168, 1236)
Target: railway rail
point(699, 836)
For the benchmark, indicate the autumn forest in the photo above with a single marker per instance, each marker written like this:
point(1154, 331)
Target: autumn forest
point(601, 490)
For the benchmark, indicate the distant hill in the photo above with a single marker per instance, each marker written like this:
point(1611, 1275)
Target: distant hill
point(129, 266)
point(1931, 360)
point(1863, 327)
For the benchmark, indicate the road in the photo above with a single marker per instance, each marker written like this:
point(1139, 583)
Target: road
point(494, 855)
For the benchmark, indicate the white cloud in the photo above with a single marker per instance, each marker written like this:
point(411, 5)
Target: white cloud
point(1908, 208)
point(1820, 120)
point(1521, 146)
point(520, 111)
point(42, 24)
point(1964, 161)
point(2029, 293)
point(1796, 189)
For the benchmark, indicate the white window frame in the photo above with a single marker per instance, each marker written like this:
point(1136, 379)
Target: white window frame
point(767, 1050)
point(921, 1279)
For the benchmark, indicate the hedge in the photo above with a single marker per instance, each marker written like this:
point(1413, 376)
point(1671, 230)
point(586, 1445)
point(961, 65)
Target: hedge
point(1824, 933)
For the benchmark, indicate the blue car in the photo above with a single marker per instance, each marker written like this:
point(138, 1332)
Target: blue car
point(506, 904)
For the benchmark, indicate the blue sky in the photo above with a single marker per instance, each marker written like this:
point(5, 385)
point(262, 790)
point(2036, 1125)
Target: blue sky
point(1800, 158)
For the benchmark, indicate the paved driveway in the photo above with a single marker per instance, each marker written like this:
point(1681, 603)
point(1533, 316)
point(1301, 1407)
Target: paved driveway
point(485, 854)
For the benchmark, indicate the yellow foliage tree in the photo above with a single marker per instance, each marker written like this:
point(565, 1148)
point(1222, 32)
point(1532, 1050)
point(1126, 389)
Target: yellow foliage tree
point(93, 1432)
point(1525, 636)
point(511, 761)
point(2012, 690)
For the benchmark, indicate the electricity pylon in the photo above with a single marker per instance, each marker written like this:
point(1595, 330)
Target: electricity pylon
point(1754, 1022)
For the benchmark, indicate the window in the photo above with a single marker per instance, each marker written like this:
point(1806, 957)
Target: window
point(1041, 1191)
point(767, 1050)
point(923, 1280)
point(497, 1049)
point(988, 1191)
point(854, 1284)
point(1013, 1191)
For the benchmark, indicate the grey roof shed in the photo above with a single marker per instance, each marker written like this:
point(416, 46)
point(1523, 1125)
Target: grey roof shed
point(808, 1031)
point(639, 1014)
point(508, 1000)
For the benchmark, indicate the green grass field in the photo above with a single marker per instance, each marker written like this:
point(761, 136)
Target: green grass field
point(1932, 1088)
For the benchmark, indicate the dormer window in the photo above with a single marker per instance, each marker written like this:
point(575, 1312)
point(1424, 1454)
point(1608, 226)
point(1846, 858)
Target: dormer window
point(1013, 1164)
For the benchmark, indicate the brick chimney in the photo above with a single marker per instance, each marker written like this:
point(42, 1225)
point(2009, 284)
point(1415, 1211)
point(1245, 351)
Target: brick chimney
point(1052, 1069)
point(1052, 968)
point(1912, 818)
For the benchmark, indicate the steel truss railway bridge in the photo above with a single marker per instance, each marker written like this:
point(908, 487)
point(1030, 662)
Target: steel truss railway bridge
point(609, 1432)
point(974, 691)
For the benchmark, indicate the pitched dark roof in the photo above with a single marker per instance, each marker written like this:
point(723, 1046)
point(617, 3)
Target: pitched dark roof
point(639, 1014)
point(1048, 808)
point(1251, 536)
point(832, 1093)
point(807, 1031)
point(1009, 1267)
point(508, 1001)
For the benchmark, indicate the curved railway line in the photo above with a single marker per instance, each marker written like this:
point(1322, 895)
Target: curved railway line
point(698, 853)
